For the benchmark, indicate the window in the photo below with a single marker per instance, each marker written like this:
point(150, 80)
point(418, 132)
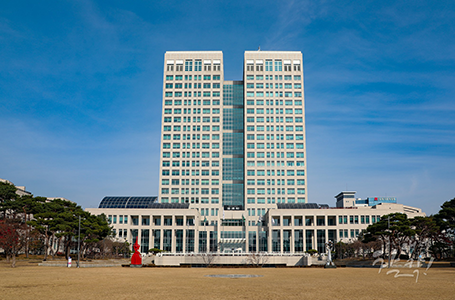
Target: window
point(268, 65)
point(198, 65)
point(189, 65)
point(278, 65)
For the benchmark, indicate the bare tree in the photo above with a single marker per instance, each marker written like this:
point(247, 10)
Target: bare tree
point(209, 258)
point(257, 259)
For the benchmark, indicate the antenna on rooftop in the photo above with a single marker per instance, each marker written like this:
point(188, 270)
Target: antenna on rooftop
point(259, 49)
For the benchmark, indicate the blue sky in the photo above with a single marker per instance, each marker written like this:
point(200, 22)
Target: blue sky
point(81, 87)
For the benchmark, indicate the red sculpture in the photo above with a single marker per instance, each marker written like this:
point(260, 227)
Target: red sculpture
point(136, 259)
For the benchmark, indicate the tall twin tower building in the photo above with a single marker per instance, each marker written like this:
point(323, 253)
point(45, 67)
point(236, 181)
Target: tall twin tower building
point(232, 167)
point(233, 149)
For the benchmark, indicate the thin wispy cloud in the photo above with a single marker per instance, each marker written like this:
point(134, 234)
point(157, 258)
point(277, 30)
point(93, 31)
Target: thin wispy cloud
point(81, 85)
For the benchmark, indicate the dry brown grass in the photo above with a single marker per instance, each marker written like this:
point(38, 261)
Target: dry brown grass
point(28, 281)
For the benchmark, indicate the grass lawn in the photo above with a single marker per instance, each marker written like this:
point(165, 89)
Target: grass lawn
point(29, 281)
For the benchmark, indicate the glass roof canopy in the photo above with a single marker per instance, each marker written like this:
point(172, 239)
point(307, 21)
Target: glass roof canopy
point(128, 202)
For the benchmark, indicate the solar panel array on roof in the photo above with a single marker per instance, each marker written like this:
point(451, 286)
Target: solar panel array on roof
point(297, 206)
point(127, 202)
point(140, 202)
point(170, 205)
point(113, 202)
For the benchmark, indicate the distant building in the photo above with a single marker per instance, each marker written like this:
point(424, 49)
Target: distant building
point(20, 189)
point(348, 199)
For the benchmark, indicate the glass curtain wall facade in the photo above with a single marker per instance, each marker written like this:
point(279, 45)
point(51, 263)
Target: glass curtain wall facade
point(233, 184)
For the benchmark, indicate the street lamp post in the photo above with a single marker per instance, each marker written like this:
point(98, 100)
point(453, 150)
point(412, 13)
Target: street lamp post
point(79, 243)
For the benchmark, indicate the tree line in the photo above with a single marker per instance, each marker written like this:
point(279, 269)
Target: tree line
point(36, 225)
point(397, 235)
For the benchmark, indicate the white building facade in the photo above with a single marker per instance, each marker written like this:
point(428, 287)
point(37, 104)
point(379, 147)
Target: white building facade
point(233, 165)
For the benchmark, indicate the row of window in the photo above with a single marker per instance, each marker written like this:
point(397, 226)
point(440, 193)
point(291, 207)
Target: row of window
point(192, 191)
point(189, 137)
point(272, 173)
point(205, 212)
point(323, 220)
point(122, 219)
point(167, 172)
point(195, 94)
point(217, 120)
point(250, 65)
point(191, 155)
point(276, 221)
point(250, 137)
point(271, 163)
point(248, 102)
point(272, 145)
point(194, 163)
point(157, 220)
point(272, 128)
point(271, 182)
point(190, 77)
point(279, 191)
point(355, 219)
point(178, 66)
point(188, 119)
point(278, 155)
point(213, 191)
point(261, 85)
point(277, 103)
point(193, 200)
point(198, 128)
point(188, 102)
point(268, 94)
point(268, 111)
point(249, 163)
point(271, 77)
point(271, 137)
point(277, 119)
point(192, 146)
point(273, 200)
point(215, 85)
point(213, 111)
point(169, 94)
point(205, 181)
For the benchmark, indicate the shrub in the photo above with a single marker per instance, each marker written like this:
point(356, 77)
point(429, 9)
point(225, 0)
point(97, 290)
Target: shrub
point(312, 251)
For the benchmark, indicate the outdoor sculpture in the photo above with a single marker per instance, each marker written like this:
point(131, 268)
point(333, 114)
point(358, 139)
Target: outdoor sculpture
point(136, 260)
point(328, 249)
